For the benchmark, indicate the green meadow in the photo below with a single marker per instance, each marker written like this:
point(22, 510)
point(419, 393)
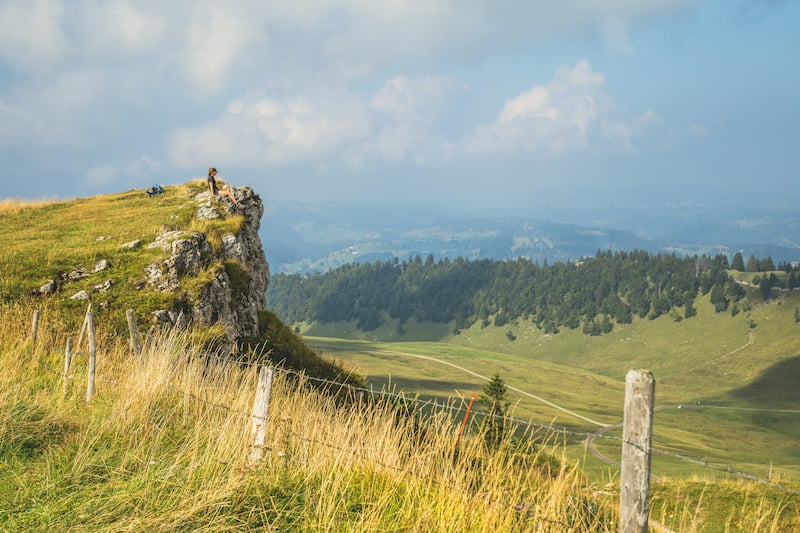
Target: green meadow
point(164, 445)
point(727, 389)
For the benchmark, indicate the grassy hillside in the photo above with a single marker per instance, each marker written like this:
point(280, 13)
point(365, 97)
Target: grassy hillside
point(165, 443)
point(41, 241)
point(726, 392)
point(49, 240)
point(164, 446)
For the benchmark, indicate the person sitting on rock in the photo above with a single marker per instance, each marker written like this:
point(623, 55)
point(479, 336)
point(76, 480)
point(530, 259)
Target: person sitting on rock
point(225, 189)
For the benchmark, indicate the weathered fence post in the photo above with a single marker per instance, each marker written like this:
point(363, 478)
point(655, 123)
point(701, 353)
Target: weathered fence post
point(67, 363)
point(83, 326)
point(35, 328)
point(260, 411)
point(136, 341)
point(92, 356)
point(637, 434)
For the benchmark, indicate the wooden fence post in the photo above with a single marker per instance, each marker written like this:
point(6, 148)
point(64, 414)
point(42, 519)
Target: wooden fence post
point(136, 341)
point(637, 433)
point(67, 363)
point(35, 328)
point(83, 327)
point(92, 357)
point(260, 411)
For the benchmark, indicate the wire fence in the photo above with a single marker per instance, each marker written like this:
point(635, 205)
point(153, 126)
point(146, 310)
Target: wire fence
point(452, 408)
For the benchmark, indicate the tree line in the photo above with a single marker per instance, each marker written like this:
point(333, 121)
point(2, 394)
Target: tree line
point(592, 293)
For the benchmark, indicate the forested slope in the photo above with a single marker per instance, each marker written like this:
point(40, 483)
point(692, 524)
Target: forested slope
point(593, 293)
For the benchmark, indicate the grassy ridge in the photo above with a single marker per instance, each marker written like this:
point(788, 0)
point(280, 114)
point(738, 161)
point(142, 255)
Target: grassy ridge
point(45, 240)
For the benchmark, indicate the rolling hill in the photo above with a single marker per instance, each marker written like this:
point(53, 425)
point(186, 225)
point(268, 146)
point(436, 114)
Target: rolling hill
point(166, 442)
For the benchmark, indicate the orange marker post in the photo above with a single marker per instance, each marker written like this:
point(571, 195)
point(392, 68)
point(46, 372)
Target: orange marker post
point(464, 423)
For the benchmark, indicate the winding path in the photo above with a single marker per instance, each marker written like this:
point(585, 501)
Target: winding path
point(519, 391)
point(712, 361)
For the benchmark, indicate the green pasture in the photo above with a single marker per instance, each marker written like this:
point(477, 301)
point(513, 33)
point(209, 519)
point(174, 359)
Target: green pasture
point(726, 386)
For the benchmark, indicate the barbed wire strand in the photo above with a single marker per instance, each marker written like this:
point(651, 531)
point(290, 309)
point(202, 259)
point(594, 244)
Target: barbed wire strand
point(440, 407)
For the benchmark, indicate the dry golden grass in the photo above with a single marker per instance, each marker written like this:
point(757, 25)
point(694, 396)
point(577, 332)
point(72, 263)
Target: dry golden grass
point(13, 206)
point(165, 444)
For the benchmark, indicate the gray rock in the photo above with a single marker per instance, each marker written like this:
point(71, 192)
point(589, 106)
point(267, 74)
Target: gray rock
point(77, 274)
point(234, 306)
point(178, 319)
point(103, 287)
point(240, 316)
point(101, 265)
point(165, 238)
point(205, 209)
point(80, 295)
point(161, 317)
point(132, 245)
point(187, 257)
point(206, 212)
point(232, 248)
point(153, 276)
point(48, 288)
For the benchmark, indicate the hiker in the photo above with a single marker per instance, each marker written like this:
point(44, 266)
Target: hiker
point(225, 189)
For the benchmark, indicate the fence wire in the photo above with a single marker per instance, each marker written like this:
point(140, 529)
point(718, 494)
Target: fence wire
point(434, 405)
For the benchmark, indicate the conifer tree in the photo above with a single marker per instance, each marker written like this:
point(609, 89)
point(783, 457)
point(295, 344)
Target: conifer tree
point(494, 398)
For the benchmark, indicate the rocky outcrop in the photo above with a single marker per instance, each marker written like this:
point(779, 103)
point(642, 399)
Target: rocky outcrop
point(216, 275)
point(188, 256)
point(235, 275)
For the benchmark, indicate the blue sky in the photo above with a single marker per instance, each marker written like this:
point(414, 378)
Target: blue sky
point(465, 104)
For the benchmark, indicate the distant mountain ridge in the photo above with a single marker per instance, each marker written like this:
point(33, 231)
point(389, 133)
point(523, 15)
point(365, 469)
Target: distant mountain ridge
point(309, 238)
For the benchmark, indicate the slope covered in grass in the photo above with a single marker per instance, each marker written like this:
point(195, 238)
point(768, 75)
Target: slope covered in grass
point(726, 392)
point(63, 241)
point(165, 446)
point(40, 242)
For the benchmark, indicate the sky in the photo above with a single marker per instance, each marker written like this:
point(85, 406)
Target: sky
point(463, 104)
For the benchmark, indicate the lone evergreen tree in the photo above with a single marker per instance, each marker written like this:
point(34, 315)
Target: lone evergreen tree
point(494, 397)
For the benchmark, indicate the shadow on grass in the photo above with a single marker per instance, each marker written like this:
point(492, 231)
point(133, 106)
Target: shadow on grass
point(777, 388)
point(413, 385)
point(776, 385)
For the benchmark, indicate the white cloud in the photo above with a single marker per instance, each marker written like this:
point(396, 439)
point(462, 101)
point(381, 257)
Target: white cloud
point(118, 29)
point(216, 39)
point(572, 112)
point(336, 127)
point(406, 111)
point(402, 123)
point(31, 33)
point(51, 114)
point(320, 79)
point(550, 119)
point(264, 130)
point(100, 175)
point(623, 133)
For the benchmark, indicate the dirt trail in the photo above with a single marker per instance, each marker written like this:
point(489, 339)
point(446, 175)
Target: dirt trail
point(519, 391)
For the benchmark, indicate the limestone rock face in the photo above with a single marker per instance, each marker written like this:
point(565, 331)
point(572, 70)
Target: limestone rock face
point(188, 256)
point(239, 273)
